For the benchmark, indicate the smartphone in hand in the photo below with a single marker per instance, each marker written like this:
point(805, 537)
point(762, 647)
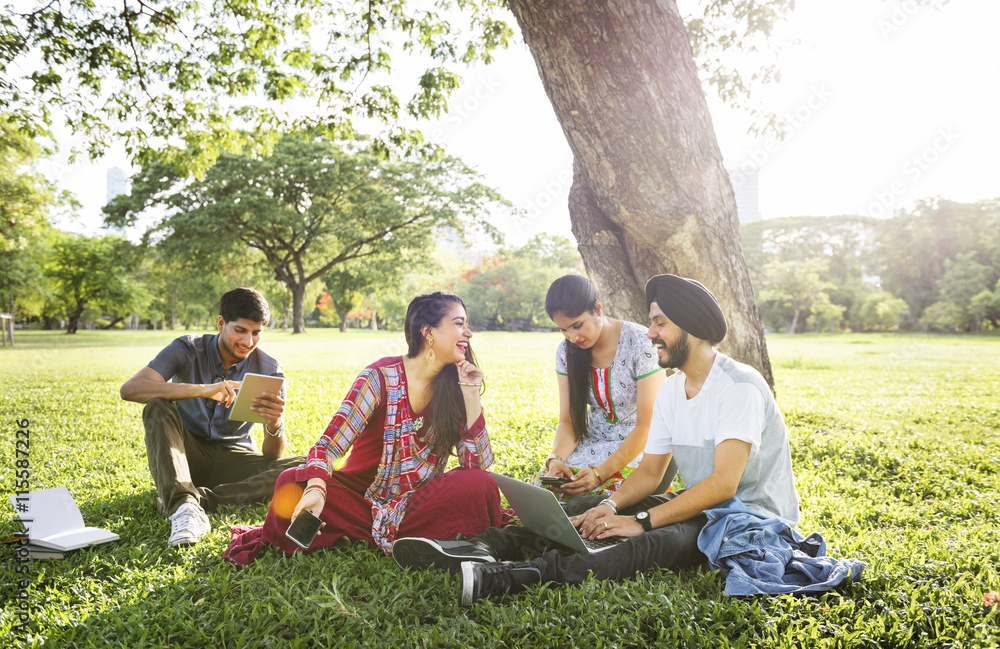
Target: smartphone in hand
point(553, 481)
point(304, 529)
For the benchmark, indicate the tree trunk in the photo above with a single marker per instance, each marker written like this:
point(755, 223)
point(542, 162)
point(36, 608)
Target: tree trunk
point(374, 323)
point(298, 308)
point(173, 308)
point(795, 319)
point(284, 312)
point(650, 193)
point(341, 315)
point(74, 318)
point(10, 300)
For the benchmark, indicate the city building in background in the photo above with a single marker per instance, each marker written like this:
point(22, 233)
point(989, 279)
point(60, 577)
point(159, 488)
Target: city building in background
point(746, 185)
point(117, 183)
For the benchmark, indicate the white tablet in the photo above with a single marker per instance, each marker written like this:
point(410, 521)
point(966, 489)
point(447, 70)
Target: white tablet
point(253, 385)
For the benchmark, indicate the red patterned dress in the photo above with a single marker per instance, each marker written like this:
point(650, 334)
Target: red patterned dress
point(382, 479)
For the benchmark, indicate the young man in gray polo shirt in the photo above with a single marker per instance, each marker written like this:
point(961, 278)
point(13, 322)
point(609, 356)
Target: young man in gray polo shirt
point(199, 458)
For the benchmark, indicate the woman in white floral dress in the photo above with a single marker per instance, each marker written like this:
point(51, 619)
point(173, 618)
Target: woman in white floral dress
point(608, 379)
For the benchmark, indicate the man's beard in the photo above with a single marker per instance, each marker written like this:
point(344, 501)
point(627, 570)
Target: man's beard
point(677, 353)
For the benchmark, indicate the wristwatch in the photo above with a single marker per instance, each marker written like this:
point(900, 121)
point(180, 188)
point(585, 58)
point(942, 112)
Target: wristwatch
point(643, 519)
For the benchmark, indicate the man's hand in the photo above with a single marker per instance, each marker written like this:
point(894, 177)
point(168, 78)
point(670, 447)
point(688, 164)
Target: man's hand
point(601, 522)
point(224, 392)
point(271, 407)
point(592, 516)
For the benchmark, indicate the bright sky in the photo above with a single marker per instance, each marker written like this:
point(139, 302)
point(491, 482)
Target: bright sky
point(889, 102)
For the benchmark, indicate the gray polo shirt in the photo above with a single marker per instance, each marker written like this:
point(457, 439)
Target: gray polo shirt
point(195, 359)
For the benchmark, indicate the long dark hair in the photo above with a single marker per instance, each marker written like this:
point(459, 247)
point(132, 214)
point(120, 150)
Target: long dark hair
point(572, 295)
point(447, 406)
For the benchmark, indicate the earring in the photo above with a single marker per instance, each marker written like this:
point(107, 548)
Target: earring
point(429, 355)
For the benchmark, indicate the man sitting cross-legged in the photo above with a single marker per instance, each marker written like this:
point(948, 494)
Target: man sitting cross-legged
point(199, 458)
point(715, 416)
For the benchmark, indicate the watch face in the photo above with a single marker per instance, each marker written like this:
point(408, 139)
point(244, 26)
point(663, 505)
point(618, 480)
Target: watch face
point(642, 516)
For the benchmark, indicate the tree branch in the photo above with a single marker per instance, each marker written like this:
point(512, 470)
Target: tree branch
point(135, 54)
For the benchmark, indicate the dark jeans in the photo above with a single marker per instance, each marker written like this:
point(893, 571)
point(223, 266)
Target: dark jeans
point(673, 546)
point(186, 468)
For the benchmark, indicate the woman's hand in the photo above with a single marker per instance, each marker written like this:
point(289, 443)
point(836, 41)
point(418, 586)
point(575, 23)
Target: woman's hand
point(313, 500)
point(582, 483)
point(559, 469)
point(469, 373)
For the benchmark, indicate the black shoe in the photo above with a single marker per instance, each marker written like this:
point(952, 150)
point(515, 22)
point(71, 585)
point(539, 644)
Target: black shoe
point(415, 552)
point(481, 580)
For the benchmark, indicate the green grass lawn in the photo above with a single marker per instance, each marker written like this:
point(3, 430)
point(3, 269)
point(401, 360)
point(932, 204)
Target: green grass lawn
point(894, 443)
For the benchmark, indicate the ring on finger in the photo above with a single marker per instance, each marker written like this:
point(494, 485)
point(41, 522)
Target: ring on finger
point(605, 525)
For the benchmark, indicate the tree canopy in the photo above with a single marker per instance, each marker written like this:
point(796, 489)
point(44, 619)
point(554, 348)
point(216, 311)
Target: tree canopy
point(308, 207)
point(183, 81)
point(935, 268)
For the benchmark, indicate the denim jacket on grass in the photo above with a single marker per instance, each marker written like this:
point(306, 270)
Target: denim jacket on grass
point(764, 555)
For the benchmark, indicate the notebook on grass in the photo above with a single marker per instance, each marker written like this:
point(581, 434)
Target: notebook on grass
point(54, 521)
point(540, 511)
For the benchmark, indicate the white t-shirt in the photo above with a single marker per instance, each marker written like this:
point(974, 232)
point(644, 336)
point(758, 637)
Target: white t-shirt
point(734, 403)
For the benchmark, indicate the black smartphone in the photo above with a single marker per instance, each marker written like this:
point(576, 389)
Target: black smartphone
point(553, 481)
point(304, 528)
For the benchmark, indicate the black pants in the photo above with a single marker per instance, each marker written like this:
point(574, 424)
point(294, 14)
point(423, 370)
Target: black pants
point(186, 468)
point(672, 546)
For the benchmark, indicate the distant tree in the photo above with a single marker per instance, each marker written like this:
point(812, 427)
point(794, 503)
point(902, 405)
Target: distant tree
point(26, 198)
point(307, 208)
point(93, 272)
point(797, 285)
point(824, 315)
point(508, 290)
point(878, 310)
point(914, 248)
point(439, 268)
point(846, 243)
point(195, 315)
point(943, 316)
point(965, 279)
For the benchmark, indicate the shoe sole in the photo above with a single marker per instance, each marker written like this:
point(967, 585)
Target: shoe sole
point(186, 543)
point(468, 583)
point(424, 553)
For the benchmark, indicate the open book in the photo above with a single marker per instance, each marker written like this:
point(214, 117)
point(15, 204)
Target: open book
point(54, 521)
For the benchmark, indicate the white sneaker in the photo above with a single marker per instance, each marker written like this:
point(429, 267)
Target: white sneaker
point(188, 525)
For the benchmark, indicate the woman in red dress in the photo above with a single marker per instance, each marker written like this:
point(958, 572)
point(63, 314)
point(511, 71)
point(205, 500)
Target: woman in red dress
point(402, 419)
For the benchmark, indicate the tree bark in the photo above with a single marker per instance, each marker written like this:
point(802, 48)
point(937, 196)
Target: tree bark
point(341, 315)
point(650, 193)
point(74, 318)
point(795, 319)
point(173, 308)
point(298, 307)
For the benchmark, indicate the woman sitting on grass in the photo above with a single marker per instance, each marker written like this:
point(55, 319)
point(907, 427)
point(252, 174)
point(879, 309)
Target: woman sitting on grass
point(401, 421)
point(609, 366)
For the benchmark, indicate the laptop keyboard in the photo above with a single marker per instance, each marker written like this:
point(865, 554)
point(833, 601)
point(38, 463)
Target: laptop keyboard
point(595, 545)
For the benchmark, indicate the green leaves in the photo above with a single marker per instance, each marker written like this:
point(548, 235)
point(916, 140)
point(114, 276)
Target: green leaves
point(157, 77)
point(307, 207)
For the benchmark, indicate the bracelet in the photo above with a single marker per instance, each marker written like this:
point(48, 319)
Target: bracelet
point(610, 503)
point(471, 385)
point(600, 478)
point(552, 456)
point(320, 489)
point(278, 433)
